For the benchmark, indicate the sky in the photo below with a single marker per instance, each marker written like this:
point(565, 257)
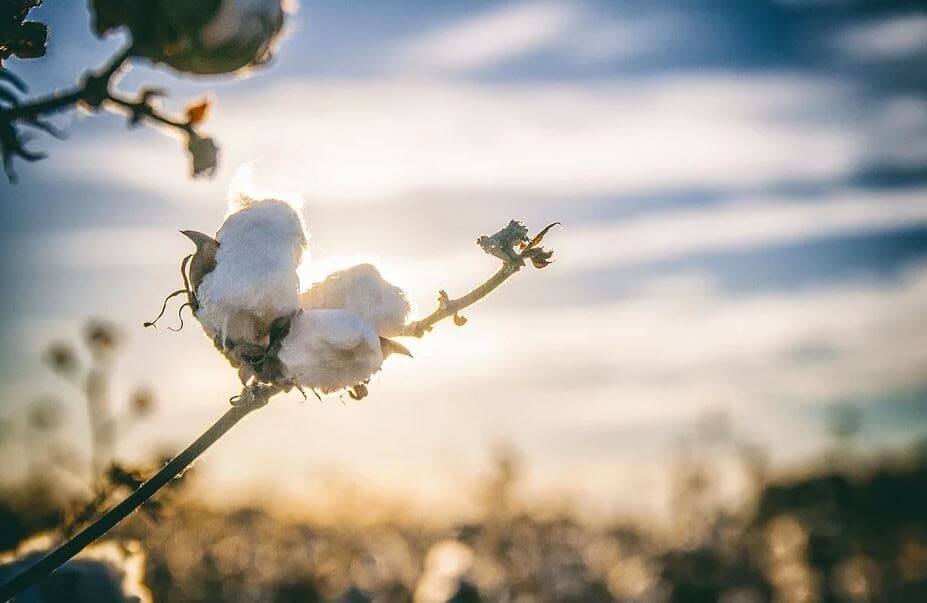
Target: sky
point(743, 192)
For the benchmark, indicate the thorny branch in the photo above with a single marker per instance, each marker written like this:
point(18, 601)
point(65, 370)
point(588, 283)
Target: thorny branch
point(94, 91)
point(513, 246)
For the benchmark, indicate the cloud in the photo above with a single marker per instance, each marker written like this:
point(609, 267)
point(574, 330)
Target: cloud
point(386, 139)
point(569, 30)
point(748, 223)
point(105, 247)
point(498, 35)
point(894, 38)
point(603, 39)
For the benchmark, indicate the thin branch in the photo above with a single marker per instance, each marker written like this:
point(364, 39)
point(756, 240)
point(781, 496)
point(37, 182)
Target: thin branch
point(513, 246)
point(450, 307)
point(91, 90)
point(140, 109)
point(251, 399)
point(94, 91)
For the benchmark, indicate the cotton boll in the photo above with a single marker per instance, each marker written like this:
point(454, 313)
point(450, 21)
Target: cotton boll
point(193, 36)
point(330, 349)
point(254, 280)
point(365, 292)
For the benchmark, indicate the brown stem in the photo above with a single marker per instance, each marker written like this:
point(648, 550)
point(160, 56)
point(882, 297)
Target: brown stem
point(142, 109)
point(450, 307)
point(252, 398)
point(514, 247)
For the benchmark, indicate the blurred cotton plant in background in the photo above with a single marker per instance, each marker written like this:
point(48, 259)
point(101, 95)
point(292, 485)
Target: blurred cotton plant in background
point(215, 37)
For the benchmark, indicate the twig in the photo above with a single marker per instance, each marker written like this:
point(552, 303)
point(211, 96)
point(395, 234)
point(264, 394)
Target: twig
point(450, 307)
point(513, 246)
point(94, 91)
point(142, 108)
point(251, 399)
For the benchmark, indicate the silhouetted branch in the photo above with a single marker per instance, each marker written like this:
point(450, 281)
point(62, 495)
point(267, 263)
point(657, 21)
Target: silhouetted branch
point(251, 398)
point(94, 91)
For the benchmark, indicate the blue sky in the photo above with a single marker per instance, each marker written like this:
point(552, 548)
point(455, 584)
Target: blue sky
point(743, 187)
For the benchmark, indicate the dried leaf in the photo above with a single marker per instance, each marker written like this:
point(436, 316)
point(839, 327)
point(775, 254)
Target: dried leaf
point(539, 257)
point(197, 112)
point(204, 154)
point(358, 392)
point(540, 236)
point(459, 320)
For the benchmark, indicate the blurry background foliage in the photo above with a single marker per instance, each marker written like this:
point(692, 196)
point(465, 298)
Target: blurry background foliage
point(851, 528)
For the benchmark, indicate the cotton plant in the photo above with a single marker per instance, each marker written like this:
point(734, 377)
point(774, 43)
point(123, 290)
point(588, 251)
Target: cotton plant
point(243, 287)
point(193, 37)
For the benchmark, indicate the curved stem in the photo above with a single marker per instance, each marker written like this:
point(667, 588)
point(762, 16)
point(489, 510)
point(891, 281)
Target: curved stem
point(450, 307)
point(514, 247)
point(252, 399)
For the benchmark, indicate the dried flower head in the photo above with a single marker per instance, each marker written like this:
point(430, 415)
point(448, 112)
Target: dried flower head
point(61, 358)
point(142, 402)
point(102, 337)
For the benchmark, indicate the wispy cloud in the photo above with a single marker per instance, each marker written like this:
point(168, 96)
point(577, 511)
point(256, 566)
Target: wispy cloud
point(497, 35)
point(899, 37)
point(746, 224)
point(383, 139)
point(574, 31)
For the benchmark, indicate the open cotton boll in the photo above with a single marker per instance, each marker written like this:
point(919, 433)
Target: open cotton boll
point(254, 280)
point(330, 349)
point(196, 36)
point(362, 290)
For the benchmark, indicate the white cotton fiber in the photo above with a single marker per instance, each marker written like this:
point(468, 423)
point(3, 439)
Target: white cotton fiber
point(329, 350)
point(254, 281)
point(362, 290)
